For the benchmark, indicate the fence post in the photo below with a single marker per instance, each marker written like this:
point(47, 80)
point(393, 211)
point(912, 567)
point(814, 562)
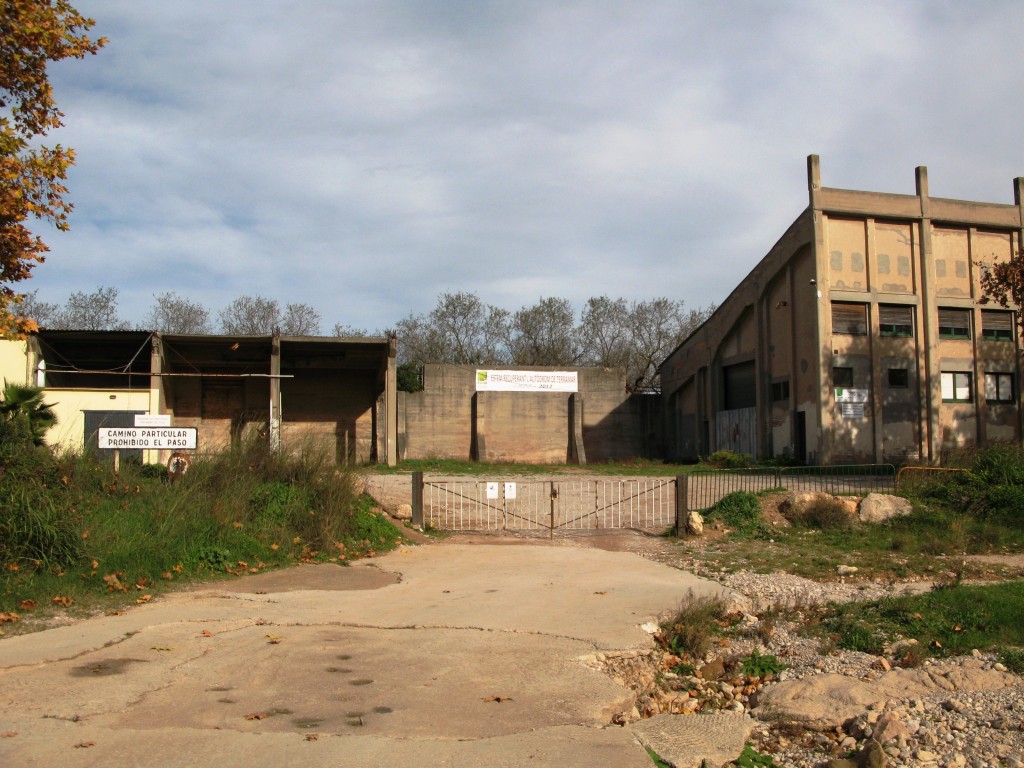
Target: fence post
point(682, 502)
point(417, 500)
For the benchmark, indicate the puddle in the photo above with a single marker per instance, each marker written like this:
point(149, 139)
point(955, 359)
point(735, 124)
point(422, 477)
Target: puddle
point(219, 689)
point(351, 715)
point(383, 710)
point(360, 681)
point(226, 701)
point(344, 656)
point(339, 670)
point(103, 668)
point(307, 722)
point(356, 723)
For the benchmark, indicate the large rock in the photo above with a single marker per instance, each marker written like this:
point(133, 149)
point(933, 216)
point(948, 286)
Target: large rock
point(879, 507)
point(694, 523)
point(692, 741)
point(826, 701)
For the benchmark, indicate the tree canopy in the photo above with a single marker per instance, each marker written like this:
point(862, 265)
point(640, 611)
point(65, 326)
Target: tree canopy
point(33, 33)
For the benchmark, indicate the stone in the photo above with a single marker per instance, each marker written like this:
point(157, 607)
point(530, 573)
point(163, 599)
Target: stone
point(871, 756)
point(712, 671)
point(403, 512)
point(846, 570)
point(694, 523)
point(879, 507)
point(889, 729)
point(687, 742)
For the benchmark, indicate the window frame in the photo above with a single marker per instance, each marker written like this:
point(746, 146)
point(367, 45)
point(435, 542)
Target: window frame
point(849, 326)
point(906, 378)
point(901, 330)
point(842, 385)
point(954, 378)
point(996, 328)
point(953, 331)
point(1000, 376)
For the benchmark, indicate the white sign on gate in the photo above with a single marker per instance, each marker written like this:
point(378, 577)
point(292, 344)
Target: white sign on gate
point(510, 490)
point(492, 490)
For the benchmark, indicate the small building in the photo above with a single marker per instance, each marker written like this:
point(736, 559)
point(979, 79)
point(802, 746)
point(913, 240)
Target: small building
point(339, 393)
point(862, 336)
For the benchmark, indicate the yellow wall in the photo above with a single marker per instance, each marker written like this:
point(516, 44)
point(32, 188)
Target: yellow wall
point(69, 404)
point(13, 361)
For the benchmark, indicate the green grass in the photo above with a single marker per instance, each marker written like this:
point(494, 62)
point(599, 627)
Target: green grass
point(694, 627)
point(70, 529)
point(946, 621)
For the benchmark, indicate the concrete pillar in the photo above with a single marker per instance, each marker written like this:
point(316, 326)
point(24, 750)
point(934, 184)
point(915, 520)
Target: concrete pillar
point(577, 453)
point(275, 392)
point(157, 397)
point(391, 405)
point(929, 381)
point(1018, 199)
point(478, 440)
point(822, 445)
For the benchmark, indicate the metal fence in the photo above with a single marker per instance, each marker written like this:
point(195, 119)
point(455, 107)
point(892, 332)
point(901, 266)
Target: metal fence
point(551, 505)
point(702, 489)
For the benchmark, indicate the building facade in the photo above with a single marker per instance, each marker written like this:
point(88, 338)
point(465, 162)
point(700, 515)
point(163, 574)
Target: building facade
point(862, 336)
point(337, 393)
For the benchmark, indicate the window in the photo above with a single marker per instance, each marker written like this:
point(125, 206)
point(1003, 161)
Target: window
point(956, 387)
point(895, 321)
point(899, 378)
point(954, 323)
point(849, 318)
point(780, 390)
point(996, 325)
point(999, 387)
point(842, 377)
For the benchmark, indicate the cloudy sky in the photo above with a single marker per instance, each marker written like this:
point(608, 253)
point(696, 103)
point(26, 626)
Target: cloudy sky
point(363, 156)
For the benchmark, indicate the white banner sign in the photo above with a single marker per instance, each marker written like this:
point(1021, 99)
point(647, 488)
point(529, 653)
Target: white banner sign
point(527, 381)
point(152, 420)
point(846, 395)
point(153, 438)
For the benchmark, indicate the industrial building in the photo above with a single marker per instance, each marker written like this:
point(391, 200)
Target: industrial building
point(862, 336)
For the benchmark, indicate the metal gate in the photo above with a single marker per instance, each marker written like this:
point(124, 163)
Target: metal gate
point(537, 505)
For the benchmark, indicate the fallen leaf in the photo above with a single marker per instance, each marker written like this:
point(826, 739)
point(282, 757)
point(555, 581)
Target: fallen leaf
point(8, 734)
point(113, 582)
point(275, 547)
point(5, 617)
point(159, 648)
point(497, 699)
point(167, 575)
point(312, 736)
point(178, 568)
point(600, 593)
point(27, 605)
point(95, 564)
point(85, 533)
point(237, 524)
point(274, 639)
point(256, 716)
point(59, 600)
point(207, 633)
point(85, 744)
point(144, 599)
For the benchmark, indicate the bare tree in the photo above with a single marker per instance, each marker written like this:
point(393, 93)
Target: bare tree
point(96, 311)
point(351, 332)
point(172, 313)
point(545, 334)
point(300, 320)
point(461, 329)
point(42, 312)
point(251, 316)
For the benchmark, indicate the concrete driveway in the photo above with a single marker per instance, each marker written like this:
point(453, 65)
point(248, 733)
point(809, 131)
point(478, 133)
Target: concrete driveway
point(442, 654)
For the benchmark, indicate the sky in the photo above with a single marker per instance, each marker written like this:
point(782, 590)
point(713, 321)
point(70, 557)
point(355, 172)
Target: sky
point(365, 156)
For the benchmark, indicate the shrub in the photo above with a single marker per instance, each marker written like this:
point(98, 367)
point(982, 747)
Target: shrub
point(739, 510)
point(826, 513)
point(728, 460)
point(756, 665)
point(691, 631)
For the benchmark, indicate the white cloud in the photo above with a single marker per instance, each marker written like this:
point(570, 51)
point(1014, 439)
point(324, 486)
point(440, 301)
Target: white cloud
point(363, 156)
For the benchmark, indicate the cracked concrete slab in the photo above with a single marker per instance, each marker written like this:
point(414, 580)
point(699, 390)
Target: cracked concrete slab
point(461, 655)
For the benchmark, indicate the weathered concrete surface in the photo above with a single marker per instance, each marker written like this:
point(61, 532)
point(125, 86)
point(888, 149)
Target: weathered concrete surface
point(693, 741)
point(471, 658)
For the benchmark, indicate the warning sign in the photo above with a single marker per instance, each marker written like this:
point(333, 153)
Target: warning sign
point(152, 438)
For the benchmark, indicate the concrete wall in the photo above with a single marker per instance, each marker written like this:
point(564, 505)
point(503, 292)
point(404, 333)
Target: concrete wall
point(70, 406)
point(880, 253)
point(450, 419)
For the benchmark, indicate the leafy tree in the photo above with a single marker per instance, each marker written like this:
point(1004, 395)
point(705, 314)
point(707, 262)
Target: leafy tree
point(1003, 283)
point(461, 330)
point(545, 334)
point(33, 33)
point(410, 377)
point(605, 332)
point(172, 313)
point(25, 404)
